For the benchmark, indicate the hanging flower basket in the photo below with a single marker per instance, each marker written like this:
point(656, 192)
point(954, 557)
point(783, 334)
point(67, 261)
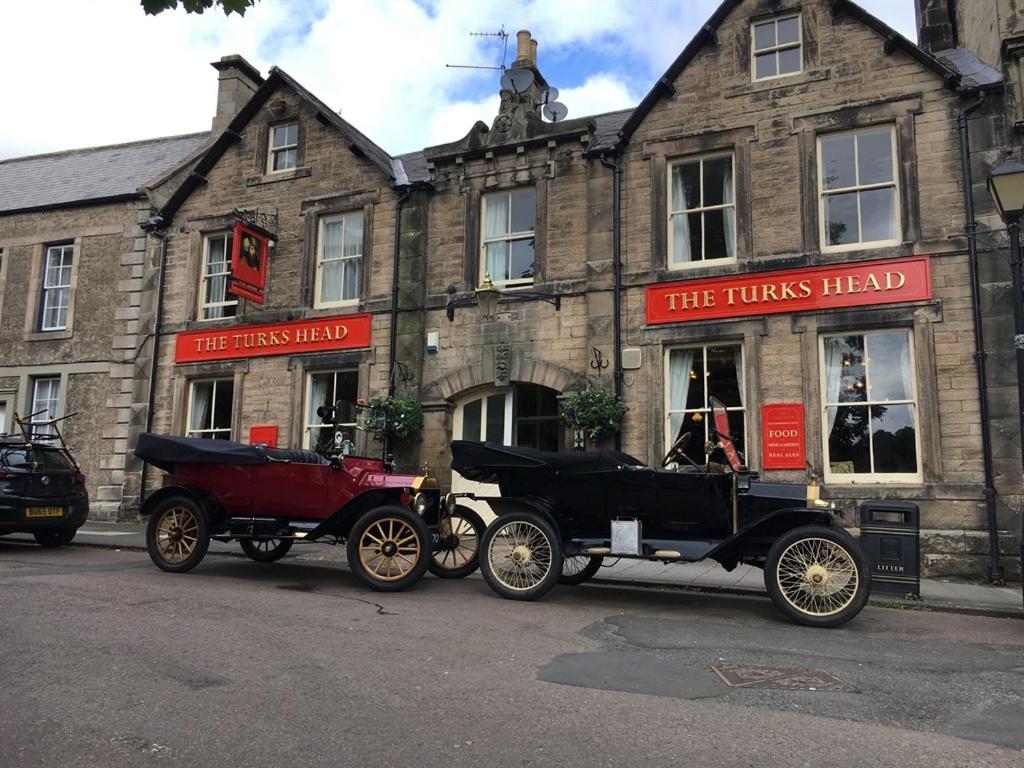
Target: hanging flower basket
point(397, 417)
point(594, 411)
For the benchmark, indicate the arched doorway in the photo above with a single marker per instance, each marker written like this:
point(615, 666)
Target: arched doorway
point(522, 414)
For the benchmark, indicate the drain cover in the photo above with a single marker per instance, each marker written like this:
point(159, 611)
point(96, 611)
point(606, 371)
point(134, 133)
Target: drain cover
point(785, 678)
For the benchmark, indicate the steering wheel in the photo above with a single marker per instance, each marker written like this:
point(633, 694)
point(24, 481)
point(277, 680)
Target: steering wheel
point(678, 449)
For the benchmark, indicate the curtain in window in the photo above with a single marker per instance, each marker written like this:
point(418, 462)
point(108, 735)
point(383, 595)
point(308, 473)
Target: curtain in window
point(680, 362)
point(201, 394)
point(729, 217)
point(833, 377)
point(738, 362)
point(680, 227)
point(332, 270)
point(496, 217)
point(352, 247)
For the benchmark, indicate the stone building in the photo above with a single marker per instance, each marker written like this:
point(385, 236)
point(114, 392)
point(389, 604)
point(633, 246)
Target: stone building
point(73, 299)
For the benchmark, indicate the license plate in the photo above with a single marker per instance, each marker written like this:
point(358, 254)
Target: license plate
point(44, 511)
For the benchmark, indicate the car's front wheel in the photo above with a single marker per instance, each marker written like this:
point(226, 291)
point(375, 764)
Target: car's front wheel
point(265, 550)
point(521, 556)
point(456, 553)
point(54, 537)
point(176, 534)
point(389, 548)
point(817, 576)
point(579, 569)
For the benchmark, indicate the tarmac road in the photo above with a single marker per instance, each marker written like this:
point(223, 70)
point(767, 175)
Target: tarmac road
point(108, 661)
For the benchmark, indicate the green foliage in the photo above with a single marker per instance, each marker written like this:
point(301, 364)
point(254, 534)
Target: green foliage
point(153, 7)
point(399, 417)
point(595, 411)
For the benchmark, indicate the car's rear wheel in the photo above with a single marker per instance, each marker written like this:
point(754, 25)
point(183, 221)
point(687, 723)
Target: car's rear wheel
point(176, 534)
point(54, 537)
point(521, 556)
point(579, 569)
point(265, 550)
point(457, 553)
point(389, 548)
point(817, 576)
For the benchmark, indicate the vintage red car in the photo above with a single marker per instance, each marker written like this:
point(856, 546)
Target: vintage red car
point(395, 526)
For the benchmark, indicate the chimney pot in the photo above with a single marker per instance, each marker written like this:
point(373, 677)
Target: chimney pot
point(533, 52)
point(523, 47)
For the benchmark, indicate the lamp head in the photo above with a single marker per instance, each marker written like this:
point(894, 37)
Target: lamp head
point(1006, 184)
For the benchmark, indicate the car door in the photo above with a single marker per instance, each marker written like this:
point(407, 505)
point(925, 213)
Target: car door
point(690, 504)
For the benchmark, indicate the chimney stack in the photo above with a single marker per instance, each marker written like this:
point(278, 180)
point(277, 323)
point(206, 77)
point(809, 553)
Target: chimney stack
point(237, 81)
point(936, 24)
point(526, 50)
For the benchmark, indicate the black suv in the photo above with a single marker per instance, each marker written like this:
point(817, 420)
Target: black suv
point(42, 491)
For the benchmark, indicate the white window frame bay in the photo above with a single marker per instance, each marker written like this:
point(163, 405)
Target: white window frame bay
point(56, 290)
point(51, 401)
point(344, 264)
point(859, 189)
point(670, 411)
point(777, 48)
point(490, 234)
point(204, 276)
point(682, 213)
point(274, 150)
point(865, 478)
point(209, 431)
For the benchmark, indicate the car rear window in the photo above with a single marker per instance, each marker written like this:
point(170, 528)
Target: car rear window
point(22, 458)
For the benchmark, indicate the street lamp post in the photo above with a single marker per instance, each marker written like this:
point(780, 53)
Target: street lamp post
point(1006, 183)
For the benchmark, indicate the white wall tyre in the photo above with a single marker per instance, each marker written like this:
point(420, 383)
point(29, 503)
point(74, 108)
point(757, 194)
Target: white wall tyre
point(520, 556)
point(817, 576)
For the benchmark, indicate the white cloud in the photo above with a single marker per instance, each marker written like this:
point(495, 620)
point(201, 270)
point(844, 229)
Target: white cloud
point(102, 72)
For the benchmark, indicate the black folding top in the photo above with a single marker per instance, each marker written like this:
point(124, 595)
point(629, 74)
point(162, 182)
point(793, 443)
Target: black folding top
point(483, 461)
point(165, 451)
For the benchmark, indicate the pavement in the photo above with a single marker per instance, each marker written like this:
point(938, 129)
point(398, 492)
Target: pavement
point(936, 594)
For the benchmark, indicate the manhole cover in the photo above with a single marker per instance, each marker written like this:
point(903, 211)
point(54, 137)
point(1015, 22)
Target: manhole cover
point(785, 678)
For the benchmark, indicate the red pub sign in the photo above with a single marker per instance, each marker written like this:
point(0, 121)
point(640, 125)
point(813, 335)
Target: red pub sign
point(324, 334)
point(854, 284)
point(782, 436)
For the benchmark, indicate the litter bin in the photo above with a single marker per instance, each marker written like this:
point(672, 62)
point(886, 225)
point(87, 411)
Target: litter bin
point(890, 535)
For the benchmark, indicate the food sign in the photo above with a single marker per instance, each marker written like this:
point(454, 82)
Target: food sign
point(782, 436)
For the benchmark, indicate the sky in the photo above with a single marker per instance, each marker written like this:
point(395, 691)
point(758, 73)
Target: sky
point(102, 72)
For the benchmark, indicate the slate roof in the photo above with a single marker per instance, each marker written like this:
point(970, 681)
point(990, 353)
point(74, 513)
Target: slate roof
point(90, 175)
point(607, 127)
point(974, 73)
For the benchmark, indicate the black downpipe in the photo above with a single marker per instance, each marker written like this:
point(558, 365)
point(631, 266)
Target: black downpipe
point(157, 327)
point(393, 340)
point(617, 376)
point(995, 570)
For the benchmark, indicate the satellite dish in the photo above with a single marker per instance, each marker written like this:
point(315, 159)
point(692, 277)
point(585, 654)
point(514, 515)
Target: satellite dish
point(547, 96)
point(517, 79)
point(555, 111)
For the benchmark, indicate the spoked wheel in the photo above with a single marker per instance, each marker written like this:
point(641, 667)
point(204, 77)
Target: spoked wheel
point(817, 576)
point(579, 569)
point(456, 553)
point(54, 537)
point(521, 556)
point(265, 550)
point(176, 536)
point(389, 548)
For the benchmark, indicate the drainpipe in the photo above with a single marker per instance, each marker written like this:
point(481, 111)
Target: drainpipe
point(995, 570)
point(393, 340)
point(616, 167)
point(157, 324)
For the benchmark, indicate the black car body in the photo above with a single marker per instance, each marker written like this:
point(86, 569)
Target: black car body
point(42, 491)
point(685, 513)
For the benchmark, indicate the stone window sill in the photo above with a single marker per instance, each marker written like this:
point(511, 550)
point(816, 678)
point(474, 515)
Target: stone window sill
point(271, 178)
point(812, 76)
point(47, 335)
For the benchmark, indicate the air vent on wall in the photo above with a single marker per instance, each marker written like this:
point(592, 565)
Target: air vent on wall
point(631, 358)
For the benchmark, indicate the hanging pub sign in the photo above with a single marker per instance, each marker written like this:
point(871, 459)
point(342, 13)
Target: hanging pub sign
point(782, 436)
point(250, 253)
point(294, 337)
point(854, 284)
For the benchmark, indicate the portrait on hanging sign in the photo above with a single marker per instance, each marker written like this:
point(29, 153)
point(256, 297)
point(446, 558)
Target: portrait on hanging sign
point(250, 249)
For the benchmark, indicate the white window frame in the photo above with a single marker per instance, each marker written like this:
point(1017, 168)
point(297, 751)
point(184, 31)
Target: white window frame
point(701, 209)
point(318, 303)
point(667, 394)
point(52, 404)
point(65, 254)
point(869, 478)
point(273, 151)
point(775, 49)
point(203, 277)
point(508, 237)
point(307, 428)
point(484, 395)
point(211, 430)
point(823, 193)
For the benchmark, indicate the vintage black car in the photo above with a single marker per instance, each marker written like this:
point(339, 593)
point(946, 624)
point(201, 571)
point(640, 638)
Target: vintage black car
point(560, 514)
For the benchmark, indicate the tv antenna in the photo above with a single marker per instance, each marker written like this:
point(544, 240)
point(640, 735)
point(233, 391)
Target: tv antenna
point(502, 35)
